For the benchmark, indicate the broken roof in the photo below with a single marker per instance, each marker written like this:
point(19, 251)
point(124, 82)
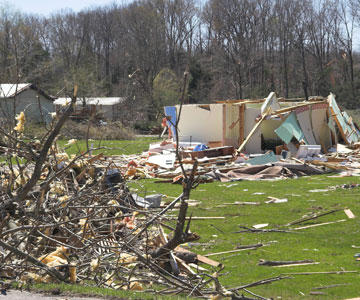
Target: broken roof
point(92, 100)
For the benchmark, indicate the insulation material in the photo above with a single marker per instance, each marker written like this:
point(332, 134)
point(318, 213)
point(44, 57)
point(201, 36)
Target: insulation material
point(303, 117)
point(201, 125)
point(254, 143)
point(289, 129)
point(347, 131)
point(320, 126)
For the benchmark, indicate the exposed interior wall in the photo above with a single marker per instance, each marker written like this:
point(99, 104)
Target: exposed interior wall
point(267, 130)
point(252, 111)
point(232, 125)
point(199, 124)
point(320, 125)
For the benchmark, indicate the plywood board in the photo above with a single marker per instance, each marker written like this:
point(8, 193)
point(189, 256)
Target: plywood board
point(304, 119)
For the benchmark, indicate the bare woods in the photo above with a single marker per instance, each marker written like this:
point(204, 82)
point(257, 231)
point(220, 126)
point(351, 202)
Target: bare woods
point(232, 48)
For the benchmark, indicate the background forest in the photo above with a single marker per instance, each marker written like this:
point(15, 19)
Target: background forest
point(231, 49)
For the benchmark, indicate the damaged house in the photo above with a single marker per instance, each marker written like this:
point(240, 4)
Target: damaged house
point(256, 126)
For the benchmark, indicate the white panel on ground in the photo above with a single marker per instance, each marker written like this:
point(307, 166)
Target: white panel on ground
point(254, 144)
point(303, 117)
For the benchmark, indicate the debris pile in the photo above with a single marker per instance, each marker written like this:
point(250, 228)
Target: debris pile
point(254, 139)
point(81, 224)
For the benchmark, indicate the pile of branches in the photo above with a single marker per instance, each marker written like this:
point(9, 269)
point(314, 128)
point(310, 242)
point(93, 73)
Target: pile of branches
point(86, 226)
point(74, 220)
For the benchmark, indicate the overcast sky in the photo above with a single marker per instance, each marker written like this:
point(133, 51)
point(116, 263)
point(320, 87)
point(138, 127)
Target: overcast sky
point(46, 7)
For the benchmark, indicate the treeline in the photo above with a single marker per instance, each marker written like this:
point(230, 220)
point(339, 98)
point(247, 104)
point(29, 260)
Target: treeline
point(230, 49)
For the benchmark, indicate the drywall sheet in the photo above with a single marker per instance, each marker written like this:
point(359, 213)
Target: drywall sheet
point(253, 145)
point(320, 124)
point(263, 159)
point(350, 133)
point(290, 128)
point(303, 117)
point(197, 124)
point(171, 111)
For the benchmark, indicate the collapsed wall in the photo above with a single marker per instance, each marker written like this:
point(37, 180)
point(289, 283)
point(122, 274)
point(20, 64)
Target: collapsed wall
point(266, 124)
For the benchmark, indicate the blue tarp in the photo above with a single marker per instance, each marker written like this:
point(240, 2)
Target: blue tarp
point(171, 111)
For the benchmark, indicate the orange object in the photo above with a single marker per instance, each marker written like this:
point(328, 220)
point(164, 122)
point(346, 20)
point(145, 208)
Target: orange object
point(132, 164)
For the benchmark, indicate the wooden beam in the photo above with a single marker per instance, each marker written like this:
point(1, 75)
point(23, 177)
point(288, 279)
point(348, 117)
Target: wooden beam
point(291, 108)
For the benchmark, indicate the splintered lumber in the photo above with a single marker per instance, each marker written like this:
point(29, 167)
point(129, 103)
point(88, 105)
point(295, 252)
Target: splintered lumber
point(320, 224)
point(330, 286)
point(317, 273)
point(311, 217)
point(242, 203)
point(329, 165)
point(292, 108)
point(201, 258)
point(243, 248)
point(260, 282)
point(273, 263)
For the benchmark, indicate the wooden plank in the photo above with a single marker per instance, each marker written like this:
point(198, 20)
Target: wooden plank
point(201, 258)
point(233, 124)
point(320, 224)
point(95, 158)
point(233, 251)
point(291, 108)
point(317, 273)
point(349, 214)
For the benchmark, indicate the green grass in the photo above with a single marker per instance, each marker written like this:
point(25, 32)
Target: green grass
point(71, 289)
point(330, 245)
point(111, 147)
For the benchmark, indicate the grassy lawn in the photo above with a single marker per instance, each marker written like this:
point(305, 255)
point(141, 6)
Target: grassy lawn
point(111, 147)
point(329, 245)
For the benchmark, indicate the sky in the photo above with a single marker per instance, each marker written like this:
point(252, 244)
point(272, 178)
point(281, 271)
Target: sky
point(46, 7)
